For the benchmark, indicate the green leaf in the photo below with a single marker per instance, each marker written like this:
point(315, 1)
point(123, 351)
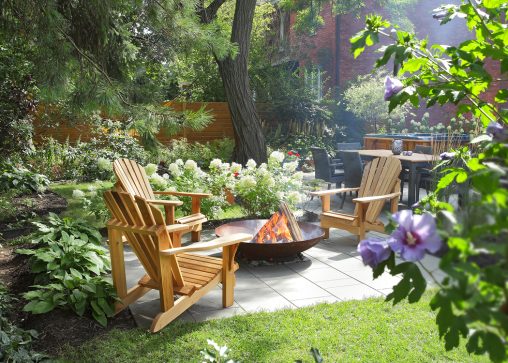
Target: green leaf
point(39, 307)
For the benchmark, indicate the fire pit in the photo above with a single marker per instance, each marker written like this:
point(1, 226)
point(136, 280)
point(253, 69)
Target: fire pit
point(268, 249)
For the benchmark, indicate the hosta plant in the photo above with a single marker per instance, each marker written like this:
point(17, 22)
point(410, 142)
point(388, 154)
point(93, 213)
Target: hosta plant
point(471, 238)
point(70, 272)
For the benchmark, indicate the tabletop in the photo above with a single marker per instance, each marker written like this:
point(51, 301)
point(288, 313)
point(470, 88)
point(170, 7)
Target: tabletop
point(413, 158)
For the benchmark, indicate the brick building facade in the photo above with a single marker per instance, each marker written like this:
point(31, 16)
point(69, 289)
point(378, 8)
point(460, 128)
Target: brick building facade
point(329, 48)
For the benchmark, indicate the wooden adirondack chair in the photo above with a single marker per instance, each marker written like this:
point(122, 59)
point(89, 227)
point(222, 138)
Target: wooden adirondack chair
point(380, 182)
point(171, 270)
point(132, 178)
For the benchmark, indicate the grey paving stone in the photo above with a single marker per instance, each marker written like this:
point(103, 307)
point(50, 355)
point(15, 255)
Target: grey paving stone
point(264, 299)
point(209, 302)
point(322, 274)
point(268, 272)
point(297, 288)
point(348, 281)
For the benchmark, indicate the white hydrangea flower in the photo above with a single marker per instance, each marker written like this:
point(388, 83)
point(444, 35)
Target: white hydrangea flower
point(78, 194)
point(179, 162)
point(297, 176)
point(268, 180)
point(165, 176)
point(225, 166)
point(263, 166)
point(290, 167)
point(158, 181)
point(280, 195)
point(247, 182)
point(151, 169)
point(294, 197)
point(104, 164)
point(277, 156)
point(236, 168)
point(191, 165)
point(251, 164)
point(174, 169)
point(215, 164)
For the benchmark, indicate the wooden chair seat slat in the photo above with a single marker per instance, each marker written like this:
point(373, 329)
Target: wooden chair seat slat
point(202, 258)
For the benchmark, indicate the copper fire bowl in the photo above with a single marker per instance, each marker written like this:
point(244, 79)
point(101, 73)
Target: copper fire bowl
point(267, 251)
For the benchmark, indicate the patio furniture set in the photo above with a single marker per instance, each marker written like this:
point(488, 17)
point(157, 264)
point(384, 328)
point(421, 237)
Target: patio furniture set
point(186, 271)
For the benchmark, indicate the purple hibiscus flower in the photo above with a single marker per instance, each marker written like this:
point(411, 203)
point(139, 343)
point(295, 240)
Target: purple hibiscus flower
point(447, 155)
point(498, 132)
point(392, 87)
point(415, 235)
point(374, 251)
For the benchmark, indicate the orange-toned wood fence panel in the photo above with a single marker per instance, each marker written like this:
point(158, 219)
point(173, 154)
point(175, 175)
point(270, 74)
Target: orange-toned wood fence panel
point(220, 127)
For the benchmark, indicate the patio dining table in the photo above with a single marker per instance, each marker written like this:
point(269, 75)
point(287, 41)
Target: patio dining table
point(410, 162)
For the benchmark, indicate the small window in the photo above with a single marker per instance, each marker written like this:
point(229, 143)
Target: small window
point(314, 81)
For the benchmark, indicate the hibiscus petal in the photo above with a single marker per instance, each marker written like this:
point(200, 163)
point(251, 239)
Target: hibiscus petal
point(404, 218)
point(424, 225)
point(413, 253)
point(433, 243)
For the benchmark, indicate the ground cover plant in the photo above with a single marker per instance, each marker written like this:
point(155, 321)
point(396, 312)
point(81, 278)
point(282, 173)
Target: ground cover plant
point(15, 343)
point(472, 300)
point(367, 330)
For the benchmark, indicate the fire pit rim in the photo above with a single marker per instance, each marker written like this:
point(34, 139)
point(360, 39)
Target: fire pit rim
point(267, 251)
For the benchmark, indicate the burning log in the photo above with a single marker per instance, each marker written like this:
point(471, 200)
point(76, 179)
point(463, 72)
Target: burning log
point(282, 227)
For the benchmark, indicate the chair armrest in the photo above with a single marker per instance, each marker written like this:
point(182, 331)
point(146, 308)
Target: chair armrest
point(376, 198)
point(320, 193)
point(185, 194)
point(204, 246)
point(174, 203)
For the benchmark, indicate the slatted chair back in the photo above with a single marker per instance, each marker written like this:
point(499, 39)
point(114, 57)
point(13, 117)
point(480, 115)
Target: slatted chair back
point(144, 227)
point(353, 168)
point(321, 163)
point(380, 177)
point(132, 178)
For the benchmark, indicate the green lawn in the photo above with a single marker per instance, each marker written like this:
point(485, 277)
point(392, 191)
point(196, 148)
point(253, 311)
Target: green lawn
point(354, 331)
point(75, 209)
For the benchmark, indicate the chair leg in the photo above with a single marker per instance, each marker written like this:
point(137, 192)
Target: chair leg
point(327, 233)
point(343, 200)
point(195, 236)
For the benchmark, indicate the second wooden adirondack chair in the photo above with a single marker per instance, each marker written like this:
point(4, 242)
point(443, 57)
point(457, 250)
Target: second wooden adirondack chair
point(168, 269)
point(132, 178)
point(380, 183)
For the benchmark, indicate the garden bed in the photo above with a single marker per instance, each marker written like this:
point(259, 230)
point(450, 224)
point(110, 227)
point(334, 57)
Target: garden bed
point(58, 328)
point(27, 207)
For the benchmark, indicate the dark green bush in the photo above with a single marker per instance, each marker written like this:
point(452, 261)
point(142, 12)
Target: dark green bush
point(21, 179)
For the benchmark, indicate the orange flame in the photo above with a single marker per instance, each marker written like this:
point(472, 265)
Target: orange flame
point(276, 230)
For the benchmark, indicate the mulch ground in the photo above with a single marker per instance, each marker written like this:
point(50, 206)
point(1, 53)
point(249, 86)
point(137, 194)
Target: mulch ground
point(58, 327)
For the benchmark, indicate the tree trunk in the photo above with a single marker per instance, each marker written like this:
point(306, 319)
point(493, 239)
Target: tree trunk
point(249, 139)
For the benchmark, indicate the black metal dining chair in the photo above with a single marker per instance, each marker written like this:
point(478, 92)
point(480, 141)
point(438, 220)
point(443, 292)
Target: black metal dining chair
point(325, 169)
point(353, 171)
